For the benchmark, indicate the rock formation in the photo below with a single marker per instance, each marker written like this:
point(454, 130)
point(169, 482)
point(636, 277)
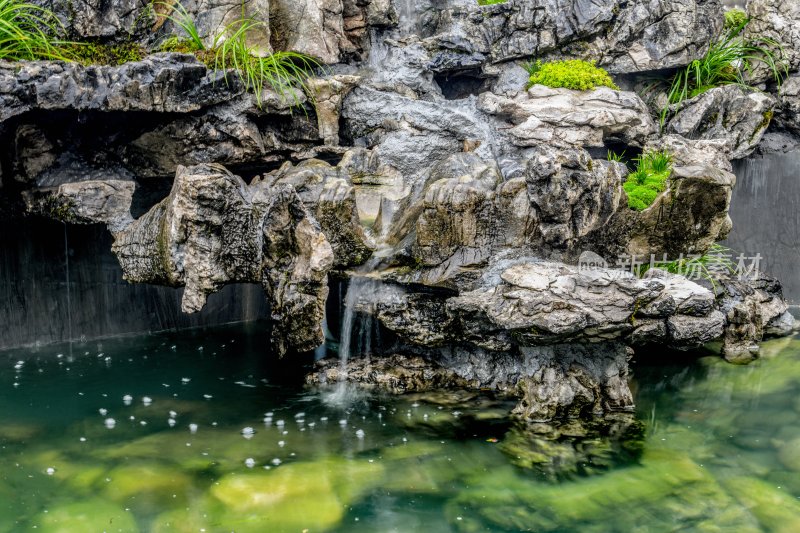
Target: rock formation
point(488, 211)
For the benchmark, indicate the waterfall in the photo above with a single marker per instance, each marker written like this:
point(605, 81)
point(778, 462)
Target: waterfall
point(69, 295)
point(408, 16)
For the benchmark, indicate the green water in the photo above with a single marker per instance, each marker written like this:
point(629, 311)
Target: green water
point(717, 448)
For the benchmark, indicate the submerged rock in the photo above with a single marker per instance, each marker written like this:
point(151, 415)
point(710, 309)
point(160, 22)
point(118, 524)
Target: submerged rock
point(89, 515)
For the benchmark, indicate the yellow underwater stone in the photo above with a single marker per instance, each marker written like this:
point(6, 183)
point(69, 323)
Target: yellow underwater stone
point(294, 497)
point(86, 516)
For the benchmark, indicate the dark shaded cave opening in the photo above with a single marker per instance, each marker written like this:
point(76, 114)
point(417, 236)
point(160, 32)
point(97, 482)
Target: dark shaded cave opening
point(457, 85)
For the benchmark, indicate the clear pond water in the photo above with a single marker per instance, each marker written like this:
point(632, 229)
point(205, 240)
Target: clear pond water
point(716, 448)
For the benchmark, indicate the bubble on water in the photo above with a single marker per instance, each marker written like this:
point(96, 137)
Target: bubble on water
point(285, 433)
point(173, 414)
point(50, 471)
point(102, 411)
point(82, 439)
point(312, 424)
point(19, 365)
point(193, 428)
point(405, 439)
point(323, 419)
point(281, 443)
point(127, 399)
point(456, 413)
point(415, 404)
point(300, 415)
point(185, 380)
point(269, 413)
point(425, 416)
point(132, 417)
point(280, 423)
point(207, 396)
point(143, 422)
point(276, 461)
point(147, 400)
point(343, 422)
point(267, 420)
point(110, 423)
point(360, 433)
point(171, 422)
point(16, 384)
point(248, 432)
point(249, 462)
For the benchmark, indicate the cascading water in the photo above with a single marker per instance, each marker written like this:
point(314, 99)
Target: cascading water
point(66, 283)
point(766, 217)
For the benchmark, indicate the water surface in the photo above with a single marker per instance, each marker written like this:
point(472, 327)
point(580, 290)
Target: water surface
point(716, 448)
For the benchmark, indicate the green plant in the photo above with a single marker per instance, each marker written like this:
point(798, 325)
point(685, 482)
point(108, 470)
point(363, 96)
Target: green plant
point(615, 157)
point(102, 54)
point(27, 31)
point(734, 18)
point(490, 2)
point(648, 180)
point(281, 71)
point(178, 15)
point(570, 74)
point(707, 266)
point(727, 62)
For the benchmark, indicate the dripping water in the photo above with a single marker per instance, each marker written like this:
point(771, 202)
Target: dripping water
point(69, 295)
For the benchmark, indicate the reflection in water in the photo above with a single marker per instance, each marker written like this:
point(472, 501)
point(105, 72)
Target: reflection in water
point(766, 216)
point(716, 447)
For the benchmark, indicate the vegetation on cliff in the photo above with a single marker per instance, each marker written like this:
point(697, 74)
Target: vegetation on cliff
point(569, 74)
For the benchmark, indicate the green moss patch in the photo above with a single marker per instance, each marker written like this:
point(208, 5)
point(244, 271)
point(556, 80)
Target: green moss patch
point(648, 180)
point(103, 54)
point(569, 74)
point(735, 18)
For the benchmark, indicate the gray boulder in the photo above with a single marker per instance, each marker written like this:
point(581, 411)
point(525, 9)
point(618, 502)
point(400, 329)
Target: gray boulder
point(731, 113)
point(567, 118)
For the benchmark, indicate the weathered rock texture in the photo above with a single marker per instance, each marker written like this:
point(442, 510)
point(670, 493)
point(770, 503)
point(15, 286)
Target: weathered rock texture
point(778, 20)
point(731, 113)
point(623, 37)
point(213, 229)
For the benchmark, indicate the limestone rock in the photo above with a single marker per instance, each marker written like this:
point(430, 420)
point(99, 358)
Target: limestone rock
point(777, 20)
point(788, 115)
point(326, 192)
point(86, 202)
point(624, 37)
point(213, 229)
point(731, 113)
point(312, 27)
point(166, 83)
point(563, 117)
point(328, 96)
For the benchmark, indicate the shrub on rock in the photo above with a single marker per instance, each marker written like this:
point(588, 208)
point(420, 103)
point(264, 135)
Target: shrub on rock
point(569, 74)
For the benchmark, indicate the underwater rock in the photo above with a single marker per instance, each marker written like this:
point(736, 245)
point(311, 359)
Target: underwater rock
point(575, 448)
point(665, 486)
point(732, 113)
point(214, 229)
point(789, 455)
point(566, 118)
point(88, 515)
point(294, 497)
point(775, 509)
point(146, 483)
point(164, 83)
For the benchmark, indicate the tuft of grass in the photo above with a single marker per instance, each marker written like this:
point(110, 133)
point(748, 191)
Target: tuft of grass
point(490, 2)
point(727, 62)
point(717, 261)
point(648, 180)
point(570, 74)
point(615, 157)
point(27, 32)
point(178, 15)
point(284, 72)
point(734, 18)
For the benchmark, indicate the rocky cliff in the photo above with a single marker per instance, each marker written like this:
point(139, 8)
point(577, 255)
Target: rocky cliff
point(486, 211)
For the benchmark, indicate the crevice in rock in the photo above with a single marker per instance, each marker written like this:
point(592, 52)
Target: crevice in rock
point(461, 84)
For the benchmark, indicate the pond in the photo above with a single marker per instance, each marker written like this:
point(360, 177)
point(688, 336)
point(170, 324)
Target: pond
point(213, 436)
